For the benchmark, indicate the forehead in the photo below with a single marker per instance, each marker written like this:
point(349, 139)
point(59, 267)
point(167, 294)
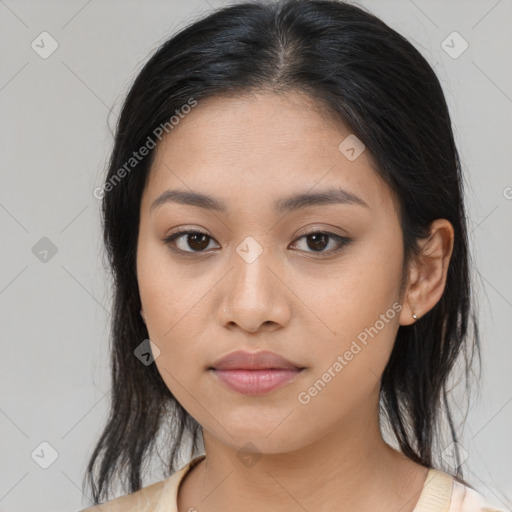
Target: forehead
point(260, 146)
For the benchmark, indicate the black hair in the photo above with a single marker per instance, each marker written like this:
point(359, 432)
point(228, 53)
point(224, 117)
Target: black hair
point(376, 83)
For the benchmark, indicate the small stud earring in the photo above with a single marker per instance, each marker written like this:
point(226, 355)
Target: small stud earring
point(414, 316)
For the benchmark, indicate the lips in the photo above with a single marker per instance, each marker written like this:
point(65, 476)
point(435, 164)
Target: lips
point(255, 373)
point(264, 360)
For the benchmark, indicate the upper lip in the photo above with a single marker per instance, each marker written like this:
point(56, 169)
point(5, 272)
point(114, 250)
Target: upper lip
point(264, 360)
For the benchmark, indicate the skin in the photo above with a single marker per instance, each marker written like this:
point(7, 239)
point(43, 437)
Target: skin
point(306, 305)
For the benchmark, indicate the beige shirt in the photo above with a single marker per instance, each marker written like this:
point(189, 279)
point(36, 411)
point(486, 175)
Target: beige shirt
point(441, 493)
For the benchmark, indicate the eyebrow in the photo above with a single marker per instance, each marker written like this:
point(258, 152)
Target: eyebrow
point(283, 205)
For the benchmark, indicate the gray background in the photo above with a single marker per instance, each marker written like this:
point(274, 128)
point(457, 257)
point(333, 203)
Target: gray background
point(55, 142)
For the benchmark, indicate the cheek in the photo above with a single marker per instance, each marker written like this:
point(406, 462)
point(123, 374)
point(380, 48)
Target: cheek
point(348, 372)
point(359, 310)
point(356, 291)
point(175, 319)
point(166, 294)
point(161, 294)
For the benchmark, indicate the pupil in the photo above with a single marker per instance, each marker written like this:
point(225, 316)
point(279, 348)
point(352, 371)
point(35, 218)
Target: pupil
point(194, 237)
point(315, 238)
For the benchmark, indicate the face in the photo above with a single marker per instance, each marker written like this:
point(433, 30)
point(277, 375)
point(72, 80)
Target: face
point(317, 283)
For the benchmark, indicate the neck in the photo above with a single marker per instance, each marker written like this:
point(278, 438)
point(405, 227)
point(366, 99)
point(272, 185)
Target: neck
point(350, 468)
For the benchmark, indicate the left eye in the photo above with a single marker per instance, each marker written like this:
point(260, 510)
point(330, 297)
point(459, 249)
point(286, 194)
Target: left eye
point(319, 240)
point(199, 241)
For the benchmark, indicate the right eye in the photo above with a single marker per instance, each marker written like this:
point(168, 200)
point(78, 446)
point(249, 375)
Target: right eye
point(194, 239)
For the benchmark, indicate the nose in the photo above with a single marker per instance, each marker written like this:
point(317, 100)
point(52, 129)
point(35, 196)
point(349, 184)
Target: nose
point(254, 298)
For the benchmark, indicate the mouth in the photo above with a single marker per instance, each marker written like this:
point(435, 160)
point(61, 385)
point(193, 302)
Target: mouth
point(255, 373)
point(256, 382)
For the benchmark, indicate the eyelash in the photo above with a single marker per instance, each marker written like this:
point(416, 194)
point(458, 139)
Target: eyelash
point(169, 241)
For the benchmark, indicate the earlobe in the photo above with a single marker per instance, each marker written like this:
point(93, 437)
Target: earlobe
point(409, 314)
point(428, 272)
point(143, 315)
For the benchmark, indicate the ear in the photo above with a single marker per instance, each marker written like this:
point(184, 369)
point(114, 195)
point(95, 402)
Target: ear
point(428, 271)
point(143, 315)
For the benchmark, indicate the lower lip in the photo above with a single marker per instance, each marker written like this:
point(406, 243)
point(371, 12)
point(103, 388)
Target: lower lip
point(256, 382)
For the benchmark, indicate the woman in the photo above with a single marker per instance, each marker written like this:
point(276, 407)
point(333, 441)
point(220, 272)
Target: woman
point(284, 218)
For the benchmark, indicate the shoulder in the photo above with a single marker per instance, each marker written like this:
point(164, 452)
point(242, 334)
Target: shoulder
point(143, 500)
point(159, 496)
point(466, 499)
point(442, 492)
